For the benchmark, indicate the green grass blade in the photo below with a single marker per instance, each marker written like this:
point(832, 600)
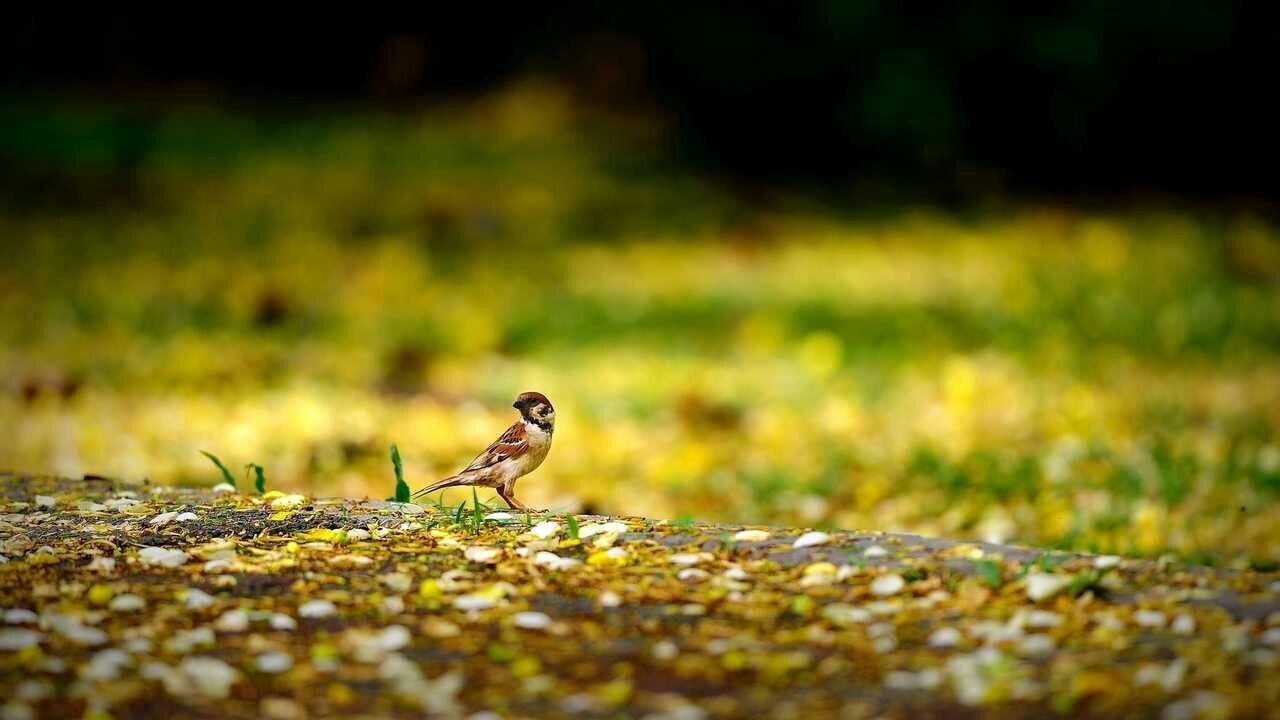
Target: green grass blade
point(259, 477)
point(402, 488)
point(572, 522)
point(476, 517)
point(990, 572)
point(226, 474)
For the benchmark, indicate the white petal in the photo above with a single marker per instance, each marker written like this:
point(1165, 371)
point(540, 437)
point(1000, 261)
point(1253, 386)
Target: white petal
point(165, 557)
point(810, 539)
point(945, 637)
point(1041, 586)
point(127, 602)
point(197, 599)
point(482, 554)
point(162, 519)
point(887, 585)
point(531, 620)
point(546, 529)
point(590, 529)
point(317, 609)
point(273, 662)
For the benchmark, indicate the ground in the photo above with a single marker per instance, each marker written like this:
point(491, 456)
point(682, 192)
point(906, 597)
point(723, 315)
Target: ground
point(139, 601)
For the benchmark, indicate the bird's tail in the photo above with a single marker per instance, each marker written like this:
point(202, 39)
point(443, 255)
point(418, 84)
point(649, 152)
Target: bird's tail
point(451, 481)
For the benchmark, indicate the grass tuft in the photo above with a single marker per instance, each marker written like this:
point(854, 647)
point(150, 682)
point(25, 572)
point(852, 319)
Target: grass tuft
point(259, 477)
point(226, 474)
point(990, 572)
point(402, 488)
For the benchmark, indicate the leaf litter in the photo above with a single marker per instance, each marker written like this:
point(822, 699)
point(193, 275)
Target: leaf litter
point(194, 602)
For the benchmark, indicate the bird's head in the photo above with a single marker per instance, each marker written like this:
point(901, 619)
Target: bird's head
point(535, 408)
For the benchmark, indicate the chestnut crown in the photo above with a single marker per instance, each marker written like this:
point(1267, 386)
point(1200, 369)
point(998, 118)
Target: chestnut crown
point(535, 408)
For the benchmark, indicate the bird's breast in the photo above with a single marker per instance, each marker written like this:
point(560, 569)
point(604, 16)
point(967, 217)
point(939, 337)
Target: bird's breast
point(539, 443)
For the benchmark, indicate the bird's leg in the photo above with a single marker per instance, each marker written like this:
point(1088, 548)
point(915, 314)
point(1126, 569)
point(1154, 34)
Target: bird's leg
point(508, 494)
point(506, 497)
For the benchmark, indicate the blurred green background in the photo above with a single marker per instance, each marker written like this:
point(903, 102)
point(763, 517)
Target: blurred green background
point(301, 291)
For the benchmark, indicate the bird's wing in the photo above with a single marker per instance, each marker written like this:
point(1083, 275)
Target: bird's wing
point(511, 444)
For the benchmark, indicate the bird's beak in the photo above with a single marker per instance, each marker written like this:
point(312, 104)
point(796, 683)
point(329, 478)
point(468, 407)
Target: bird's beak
point(516, 404)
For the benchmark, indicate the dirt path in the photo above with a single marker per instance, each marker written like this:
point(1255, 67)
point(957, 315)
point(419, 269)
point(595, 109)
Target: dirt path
point(128, 601)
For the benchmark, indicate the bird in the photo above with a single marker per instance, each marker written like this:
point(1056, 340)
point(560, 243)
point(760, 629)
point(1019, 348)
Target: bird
point(516, 453)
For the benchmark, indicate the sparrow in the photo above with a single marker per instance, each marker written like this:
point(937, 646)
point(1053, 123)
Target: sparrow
point(516, 453)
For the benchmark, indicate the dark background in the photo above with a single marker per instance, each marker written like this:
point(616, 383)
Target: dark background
point(949, 103)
